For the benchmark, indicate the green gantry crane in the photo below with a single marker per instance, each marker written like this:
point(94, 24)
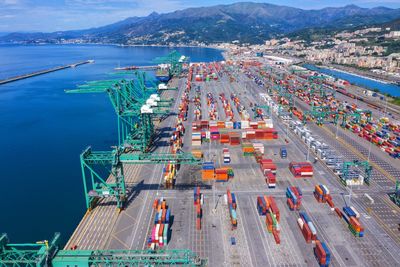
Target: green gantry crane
point(135, 106)
point(321, 114)
point(98, 185)
point(346, 172)
point(44, 253)
point(356, 115)
point(256, 107)
point(175, 61)
point(145, 81)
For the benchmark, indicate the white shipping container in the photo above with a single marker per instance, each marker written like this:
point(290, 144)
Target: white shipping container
point(196, 143)
point(157, 229)
point(300, 222)
point(244, 124)
point(355, 211)
point(312, 228)
point(326, 189)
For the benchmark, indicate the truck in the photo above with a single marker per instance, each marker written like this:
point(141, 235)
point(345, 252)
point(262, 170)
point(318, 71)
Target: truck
point(283, 152)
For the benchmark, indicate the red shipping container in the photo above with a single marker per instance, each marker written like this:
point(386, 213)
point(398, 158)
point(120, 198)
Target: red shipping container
point(290, 203)
point(198, 224)
point(330, 202)
point(338, 212)
point(276, 236)
point(306, 233)
point(274, 208)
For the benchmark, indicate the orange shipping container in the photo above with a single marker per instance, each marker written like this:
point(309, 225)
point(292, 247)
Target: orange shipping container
point(207, 175)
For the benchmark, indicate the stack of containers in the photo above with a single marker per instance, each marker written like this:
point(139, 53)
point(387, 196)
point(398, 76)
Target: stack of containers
point(196, 126)
point(197, 105)
point(266, 134)
point(259, 147)
point(253, 125)
point(205, 136)
point(262, 205)
point(220, 124)
point(322, 253)
point(248, 149)
point(208, 171)
point(159, 233)
point(214, 131)
point(169, 175)
point(234, 138)
point(244, 124)
point(232, 208)
point(221, 174)
point(237, 125)
point(267, 165)
point(351, 216)
point(250, 134)
point(301, 169)
point(294, 197)
point(224, 137)
point(198, 78)
point(226, 155)
point(227, 107)
point(229, 124)
point(270, 179)
point(196, 139)
point(307, 227)
point(261, 125)
point(198, 203)
point(321, 194)
point(258, 156)
point(269, 123)
point(267, 206)
point(204, 125)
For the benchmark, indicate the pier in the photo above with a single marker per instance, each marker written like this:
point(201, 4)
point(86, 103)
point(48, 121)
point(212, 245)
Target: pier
point(41, 72)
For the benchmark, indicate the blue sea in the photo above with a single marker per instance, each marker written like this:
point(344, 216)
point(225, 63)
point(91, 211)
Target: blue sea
point(43, 130)
point(387, 88)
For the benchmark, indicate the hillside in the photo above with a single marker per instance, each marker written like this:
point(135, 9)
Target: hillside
point(246, 22)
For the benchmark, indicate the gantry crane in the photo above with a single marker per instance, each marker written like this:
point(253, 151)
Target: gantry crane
point(135, 106)
point(260, 107)
point(44, 253)
point(175, 62)
point(98, 185)
point(356, 115)
point(348, 167)
point(321, 114)
point(144, 81)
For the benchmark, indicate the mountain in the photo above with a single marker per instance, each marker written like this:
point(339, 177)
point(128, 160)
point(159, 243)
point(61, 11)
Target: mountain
point(245, 21)
point(320, 33)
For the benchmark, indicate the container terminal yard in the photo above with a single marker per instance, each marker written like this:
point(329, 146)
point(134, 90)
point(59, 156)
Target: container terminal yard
point(234, 163)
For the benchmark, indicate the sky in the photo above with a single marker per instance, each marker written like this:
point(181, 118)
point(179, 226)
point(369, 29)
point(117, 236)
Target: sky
point(58, 15)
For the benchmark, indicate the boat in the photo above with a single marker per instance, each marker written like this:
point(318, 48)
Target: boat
point(162, 73)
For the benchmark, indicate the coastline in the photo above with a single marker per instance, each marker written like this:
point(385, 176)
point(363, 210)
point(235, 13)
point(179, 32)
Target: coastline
point(123, 45)
point(355, 74)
